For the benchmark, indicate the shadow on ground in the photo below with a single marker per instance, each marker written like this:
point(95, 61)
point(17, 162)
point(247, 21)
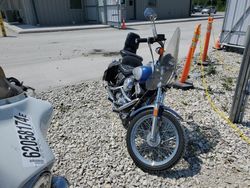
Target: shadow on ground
point(200, 140)
point(9, 36)
point(246, 124)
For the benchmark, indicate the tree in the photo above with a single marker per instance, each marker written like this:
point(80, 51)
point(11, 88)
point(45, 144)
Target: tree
point(220, 4)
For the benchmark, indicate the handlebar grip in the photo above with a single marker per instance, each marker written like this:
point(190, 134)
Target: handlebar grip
point(161, 37)
point(140, 40)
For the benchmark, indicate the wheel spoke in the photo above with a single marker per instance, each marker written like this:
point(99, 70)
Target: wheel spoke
point(160, 152)
point(169, 139)
point(142, 133)
point(144, 148)
point(148, 123)
point(167, 149)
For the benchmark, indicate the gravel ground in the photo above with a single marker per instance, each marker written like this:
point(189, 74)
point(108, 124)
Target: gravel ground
point(88, 140)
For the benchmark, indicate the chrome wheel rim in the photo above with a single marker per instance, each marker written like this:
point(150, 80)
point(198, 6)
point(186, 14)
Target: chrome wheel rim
point(158, 154)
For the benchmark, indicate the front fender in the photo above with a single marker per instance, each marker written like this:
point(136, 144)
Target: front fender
point(134, 113)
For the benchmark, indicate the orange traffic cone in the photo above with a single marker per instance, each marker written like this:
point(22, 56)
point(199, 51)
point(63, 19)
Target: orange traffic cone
point(217, 45)
point(123, 24)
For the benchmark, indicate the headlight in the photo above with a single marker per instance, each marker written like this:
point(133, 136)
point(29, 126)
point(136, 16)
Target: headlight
point(44, 181)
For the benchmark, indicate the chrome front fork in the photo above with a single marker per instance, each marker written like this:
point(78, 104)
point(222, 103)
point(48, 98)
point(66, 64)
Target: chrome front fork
point(159, 100)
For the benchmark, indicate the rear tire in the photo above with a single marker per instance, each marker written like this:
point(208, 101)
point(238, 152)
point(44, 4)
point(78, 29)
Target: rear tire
point(168, 161)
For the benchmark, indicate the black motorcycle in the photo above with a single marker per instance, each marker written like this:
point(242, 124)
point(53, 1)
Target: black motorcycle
point(155, 138)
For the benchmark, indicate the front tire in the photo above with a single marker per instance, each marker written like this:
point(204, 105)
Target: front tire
point(155, 158)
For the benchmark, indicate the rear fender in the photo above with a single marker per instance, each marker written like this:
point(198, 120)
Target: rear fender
point(134, 113)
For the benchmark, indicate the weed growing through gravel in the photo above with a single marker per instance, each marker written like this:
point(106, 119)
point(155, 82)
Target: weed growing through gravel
point(184, 103)
point(227, 83)
point(224, 107)
point(210, 90)
point(211, 70)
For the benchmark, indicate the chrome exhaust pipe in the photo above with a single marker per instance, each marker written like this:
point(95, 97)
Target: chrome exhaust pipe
point(125, 105)
point(110, 95)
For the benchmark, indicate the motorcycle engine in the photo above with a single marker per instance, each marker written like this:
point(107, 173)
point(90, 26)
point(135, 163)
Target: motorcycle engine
point(128, 84)
point(120, 100)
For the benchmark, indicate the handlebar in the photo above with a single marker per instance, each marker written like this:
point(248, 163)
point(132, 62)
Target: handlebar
point(151, 40)
point(16, 82)
point(141, 40)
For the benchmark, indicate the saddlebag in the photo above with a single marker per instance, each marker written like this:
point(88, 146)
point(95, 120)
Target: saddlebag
point(111, 72)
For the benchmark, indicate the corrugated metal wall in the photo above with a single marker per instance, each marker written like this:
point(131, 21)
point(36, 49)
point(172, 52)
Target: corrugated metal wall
point(165, 9)
point(10, 4)
point(15, 4)
point(236, 21)
point(91, 9)
point(49, 12)
point(58, 12)
point(3, 5)
point(101, 12)
point(23, 6)
point(27, 12)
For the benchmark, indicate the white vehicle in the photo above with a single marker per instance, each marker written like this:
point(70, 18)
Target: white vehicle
point(209, 10)
point(26, 159)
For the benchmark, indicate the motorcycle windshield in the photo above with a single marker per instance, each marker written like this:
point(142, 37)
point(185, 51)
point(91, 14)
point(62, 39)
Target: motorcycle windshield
point(165, 68)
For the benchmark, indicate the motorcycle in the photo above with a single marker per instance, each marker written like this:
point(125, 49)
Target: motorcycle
point(155, 138)
point(26, 159)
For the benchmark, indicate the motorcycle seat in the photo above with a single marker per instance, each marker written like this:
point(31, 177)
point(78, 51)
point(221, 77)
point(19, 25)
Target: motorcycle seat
point(126, 69)
point(129, 62)
point(126, 53)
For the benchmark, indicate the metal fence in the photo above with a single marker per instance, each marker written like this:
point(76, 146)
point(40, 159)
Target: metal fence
point(236, 21)
point(242, 91)
point(114, 9)
point(109, 12)
point(246, 118)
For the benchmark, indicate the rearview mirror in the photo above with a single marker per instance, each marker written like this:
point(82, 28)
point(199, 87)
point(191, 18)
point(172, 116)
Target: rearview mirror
point(150, 14)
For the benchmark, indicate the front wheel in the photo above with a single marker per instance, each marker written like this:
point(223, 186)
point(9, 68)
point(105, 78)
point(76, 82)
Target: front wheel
point(162, 153)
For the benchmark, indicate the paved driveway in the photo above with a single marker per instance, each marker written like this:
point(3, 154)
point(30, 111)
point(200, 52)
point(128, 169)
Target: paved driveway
point(47, 60)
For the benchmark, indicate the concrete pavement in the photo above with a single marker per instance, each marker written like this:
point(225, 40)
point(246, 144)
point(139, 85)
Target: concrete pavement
point(45, 60)
point(24, 29)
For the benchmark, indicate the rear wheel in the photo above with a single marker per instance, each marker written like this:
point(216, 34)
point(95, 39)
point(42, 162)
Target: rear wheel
point(162, 153)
